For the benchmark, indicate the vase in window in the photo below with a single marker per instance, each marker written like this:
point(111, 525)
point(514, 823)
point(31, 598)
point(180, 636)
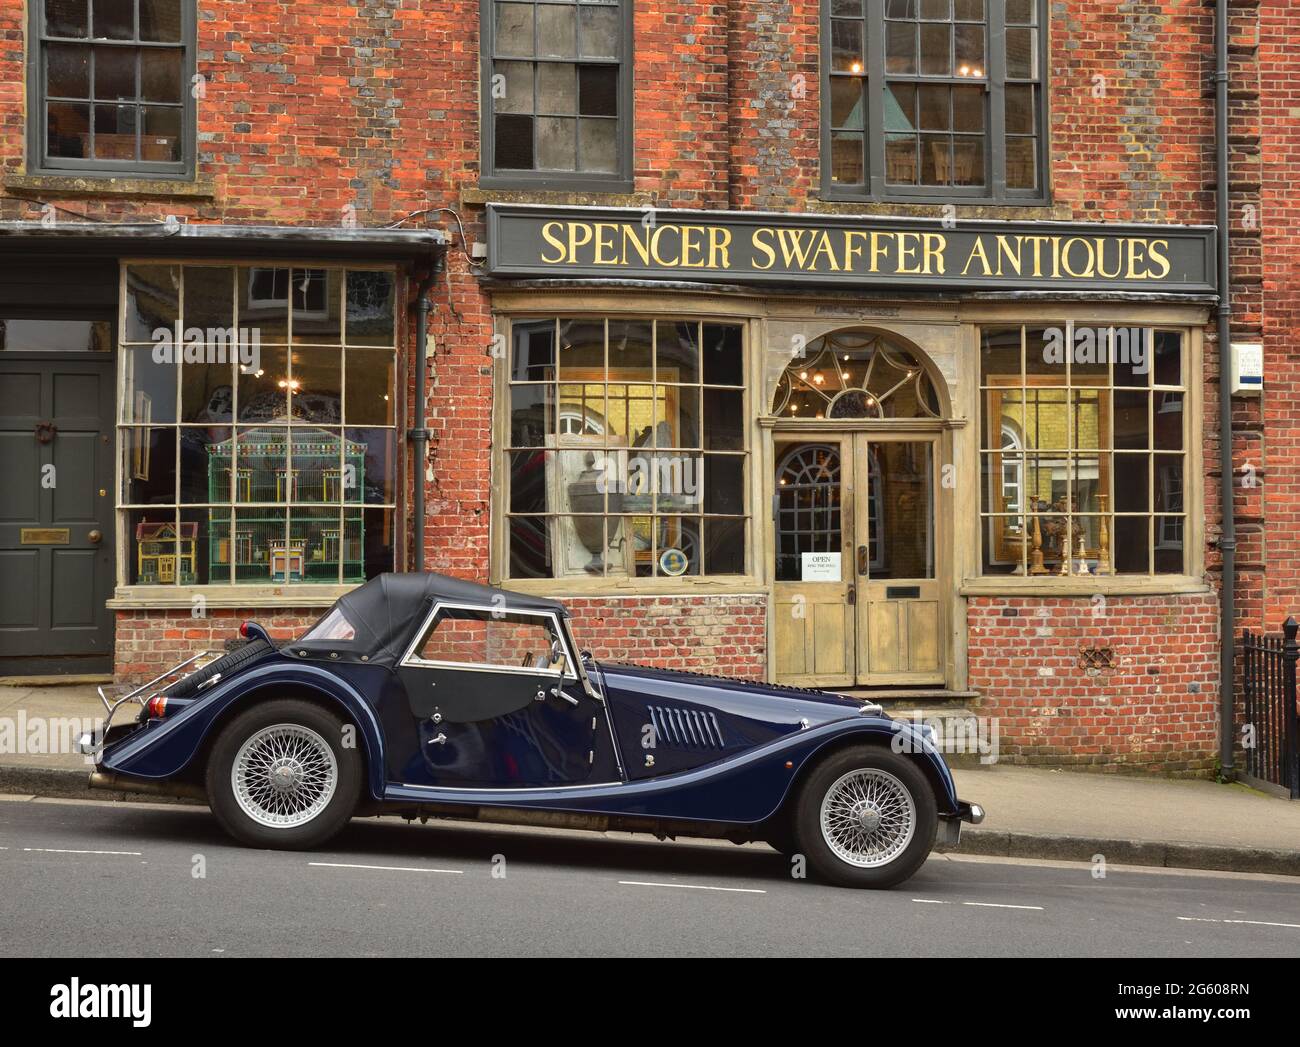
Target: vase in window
point(590, 493)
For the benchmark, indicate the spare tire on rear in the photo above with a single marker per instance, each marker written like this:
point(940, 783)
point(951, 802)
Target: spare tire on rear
point(224, 665)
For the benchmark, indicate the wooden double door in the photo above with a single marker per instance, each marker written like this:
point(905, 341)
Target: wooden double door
point(858, 598)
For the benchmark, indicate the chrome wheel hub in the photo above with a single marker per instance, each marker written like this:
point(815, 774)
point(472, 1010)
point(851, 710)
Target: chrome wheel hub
point(868, 817)
point(284, 775)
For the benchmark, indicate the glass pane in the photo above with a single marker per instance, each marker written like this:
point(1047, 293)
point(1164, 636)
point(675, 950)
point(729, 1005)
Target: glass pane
point(724, 419)
point(677, 351)
point(1169, 358)
point(598, 90)
point(152, 301)
point(900, 48)
point(970, 10)
point(533, 350)
point(934, 109)
point(847, 159)
point(556, 31)
point(161, 554)
point(198, 483)
point(936, 50)
point(846, 8)
point(1132, 428)
point(968, 161)
point(514, 142)
point(1022, 163)
point(1022, 54)
point(67, 71)
point(532, 415)
point(722, 350)
point(160, 20)
point(941, 9)
point(1132, 483)
point(629, 347)
point(724, 546)
point(210, 298)
point(263, 300)
point(1131, 545)
point(208, 382)
point(67, 18)
point(1020, 108)
point(316, 301)
point(1131, 349)
point(900, 8)
point(530, 546)
point(514, 30)
point(846, 103)
point(115, 132)
point(557, 89)
point(115, 73)
point(262, 552)
point(114, 20)
point(677, 546)
point(160, 132)
point(528, 483)
point(1046, 419)
point(969, 46)
point(904, 482)
point(316, 388)
point(846, 46)
point(582, 349)
point(369, 467)
point(599, 29)
point(968, 109)
point(936, 160)
point(515, 91)
point(1169, 421)
point(148, 466)
point(368, 387)
point(160, 75)
point(1169, 544)
point(900, 159)
point(263, 394)
point(370, 297)
point(1021, 12)
point(900, 107)
point(597, 144)
point(1169, 483)
point(724, 484)
point(682, 412)
point(999, 353)
point(557, 143)
point(67, 129)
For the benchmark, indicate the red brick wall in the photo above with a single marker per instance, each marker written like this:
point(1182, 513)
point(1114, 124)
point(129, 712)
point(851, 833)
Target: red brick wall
point(1154, 711)
point(148, 642)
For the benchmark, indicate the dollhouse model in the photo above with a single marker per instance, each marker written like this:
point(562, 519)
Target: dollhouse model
point(300, 466)
point(163, 553)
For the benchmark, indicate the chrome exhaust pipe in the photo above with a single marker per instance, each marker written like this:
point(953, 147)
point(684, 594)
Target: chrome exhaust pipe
point(172, 790)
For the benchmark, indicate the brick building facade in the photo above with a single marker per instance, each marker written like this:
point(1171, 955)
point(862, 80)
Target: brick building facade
point(320, 123)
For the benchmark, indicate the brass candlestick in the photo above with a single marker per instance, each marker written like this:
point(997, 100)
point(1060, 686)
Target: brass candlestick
point(1103, 540)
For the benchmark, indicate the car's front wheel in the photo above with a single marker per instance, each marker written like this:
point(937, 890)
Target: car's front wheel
point(866, 817)
point(279, 775)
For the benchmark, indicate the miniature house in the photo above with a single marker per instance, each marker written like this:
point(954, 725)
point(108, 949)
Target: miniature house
point(317, 474)
point(165, 553)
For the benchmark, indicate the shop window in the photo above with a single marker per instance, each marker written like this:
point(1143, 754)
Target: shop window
point(110, 88)
point(628, 449)
point(557, 92)
point(1083, 450)
point(934, 98)
point(256, 424)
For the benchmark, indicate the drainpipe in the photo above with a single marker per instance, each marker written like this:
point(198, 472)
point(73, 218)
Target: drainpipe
point(419, 435)
point(1228, 537)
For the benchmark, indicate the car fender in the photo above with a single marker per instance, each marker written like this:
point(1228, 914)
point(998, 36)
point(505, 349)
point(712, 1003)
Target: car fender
point(166, 747)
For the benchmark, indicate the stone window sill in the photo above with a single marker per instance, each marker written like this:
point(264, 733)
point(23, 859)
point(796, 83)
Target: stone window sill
point(1047, 586)
point(476, 196)
point(170, 597)
point(102, 185)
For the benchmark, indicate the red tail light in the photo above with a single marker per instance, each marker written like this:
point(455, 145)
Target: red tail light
point(158, 706)
point(243, 629)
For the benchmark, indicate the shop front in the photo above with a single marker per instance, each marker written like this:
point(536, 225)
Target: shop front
point(926, 460)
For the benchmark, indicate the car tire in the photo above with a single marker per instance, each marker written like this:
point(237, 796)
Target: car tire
point(866, 817)
point(279, 776)
point(225, 665)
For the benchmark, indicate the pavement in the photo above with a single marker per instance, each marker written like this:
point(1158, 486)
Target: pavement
point(165, 881)
point(1031, 812)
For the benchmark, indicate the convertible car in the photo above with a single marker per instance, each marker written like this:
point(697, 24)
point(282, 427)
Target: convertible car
point(429, 696)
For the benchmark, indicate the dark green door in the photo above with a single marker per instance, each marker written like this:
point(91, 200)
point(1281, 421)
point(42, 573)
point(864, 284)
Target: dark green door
point(56, 514)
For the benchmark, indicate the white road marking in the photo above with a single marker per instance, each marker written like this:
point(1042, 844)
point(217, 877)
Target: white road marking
point(65, 850)
point(979, 905)
point(930, 901)
point(386, 868)
point(1251, 923)
point(690, 887)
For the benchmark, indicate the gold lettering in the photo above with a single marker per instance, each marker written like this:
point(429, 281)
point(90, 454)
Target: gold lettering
point(906, 252)
point(605, 242)
point(638, 244)
point(554, 241)
point(824, 248)
point(935, 245)
point(1101, 258)
point(693, 246)
point(766, 248)
point(795, 246)
point(579, 236)
point(1089, 269)
point(654, 246)
point(878, 249)
point(851, 252)
point(1158, 249)
point(978, 252)
point(1008, 254)
point(1136, 248)
point(719, 247)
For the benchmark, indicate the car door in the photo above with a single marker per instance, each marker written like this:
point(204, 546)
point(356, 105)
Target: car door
point(496, 702)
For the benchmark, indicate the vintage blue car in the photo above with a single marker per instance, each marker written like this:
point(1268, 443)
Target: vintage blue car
point(429, 696)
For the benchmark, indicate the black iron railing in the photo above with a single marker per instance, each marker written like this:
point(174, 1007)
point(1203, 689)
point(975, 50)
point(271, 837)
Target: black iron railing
point(1270, 725)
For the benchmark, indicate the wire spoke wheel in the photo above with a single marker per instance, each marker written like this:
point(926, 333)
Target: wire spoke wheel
point(868, 818)
point(284, 775)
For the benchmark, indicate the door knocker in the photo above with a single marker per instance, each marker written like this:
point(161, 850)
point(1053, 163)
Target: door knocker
point(45, 432)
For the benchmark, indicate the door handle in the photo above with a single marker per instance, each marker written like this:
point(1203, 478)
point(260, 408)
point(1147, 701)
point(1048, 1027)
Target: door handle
point(95, 537)
point(853, 595)
point(862, 559)
point(558, 692)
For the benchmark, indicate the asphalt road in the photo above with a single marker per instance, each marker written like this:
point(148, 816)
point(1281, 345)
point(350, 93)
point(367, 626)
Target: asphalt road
point(93, 879)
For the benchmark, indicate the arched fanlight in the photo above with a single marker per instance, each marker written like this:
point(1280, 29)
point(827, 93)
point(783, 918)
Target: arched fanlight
point(856, 374)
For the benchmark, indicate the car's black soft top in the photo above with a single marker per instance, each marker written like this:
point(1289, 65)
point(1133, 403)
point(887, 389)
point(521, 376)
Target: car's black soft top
point(389, 608)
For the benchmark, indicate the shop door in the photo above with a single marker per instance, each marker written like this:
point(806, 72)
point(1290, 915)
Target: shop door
point(857, 596)
point(56, 548)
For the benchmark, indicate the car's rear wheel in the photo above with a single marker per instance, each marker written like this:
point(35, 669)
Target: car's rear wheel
point(280, 776)
point(866, 817)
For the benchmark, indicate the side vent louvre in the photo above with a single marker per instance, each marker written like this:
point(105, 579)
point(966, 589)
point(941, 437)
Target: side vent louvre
point(685, 728)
